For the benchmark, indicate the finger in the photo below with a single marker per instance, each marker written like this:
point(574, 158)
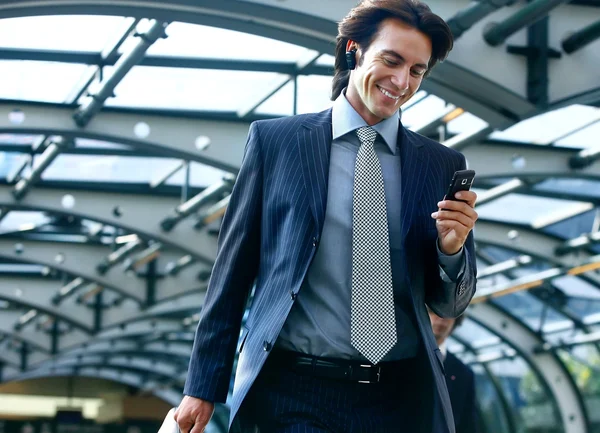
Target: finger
point(468, 196)
point(185, 423)
point(456, 216)
point(447, 225)
point(457, 206)
point(198, 428)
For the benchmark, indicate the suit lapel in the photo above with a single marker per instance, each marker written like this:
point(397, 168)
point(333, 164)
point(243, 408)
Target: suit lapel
point(413, 169)
point(314, 143)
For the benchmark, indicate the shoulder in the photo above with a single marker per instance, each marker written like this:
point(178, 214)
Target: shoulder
point(289, 124)
point(435, 148)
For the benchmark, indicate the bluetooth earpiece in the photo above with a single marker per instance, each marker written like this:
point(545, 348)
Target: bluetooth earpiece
point(351, 58)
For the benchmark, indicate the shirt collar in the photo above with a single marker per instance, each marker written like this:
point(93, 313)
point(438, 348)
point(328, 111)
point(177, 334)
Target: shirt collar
point(444, 349)
point(345, 119)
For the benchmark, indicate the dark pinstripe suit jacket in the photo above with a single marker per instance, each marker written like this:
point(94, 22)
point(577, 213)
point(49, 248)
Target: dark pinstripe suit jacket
point(271, 231)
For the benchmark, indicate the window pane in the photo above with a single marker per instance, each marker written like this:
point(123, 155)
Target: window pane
point(189, 40)
point(60, 32)
point(154, 87)
point(38, 81)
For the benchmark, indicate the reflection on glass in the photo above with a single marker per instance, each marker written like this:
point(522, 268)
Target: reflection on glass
point(533, 409)
point(583, 363)
point(491, 412)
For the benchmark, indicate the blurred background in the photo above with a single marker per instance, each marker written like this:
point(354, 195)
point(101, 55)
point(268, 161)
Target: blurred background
point(122, 127)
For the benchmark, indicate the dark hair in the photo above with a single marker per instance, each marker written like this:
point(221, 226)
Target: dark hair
point(458, 321)
point(362, 24)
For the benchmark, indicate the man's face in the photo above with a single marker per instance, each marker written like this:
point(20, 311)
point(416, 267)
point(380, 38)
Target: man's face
point(389, 72)
point(442, 328)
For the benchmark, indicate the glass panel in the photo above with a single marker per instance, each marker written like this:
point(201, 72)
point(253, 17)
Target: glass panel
point(533, 409)
point(574, 186)
point(547, 127)
point(586, 138)
point(188, 40)
point(419, 113)
point(18, 138)
point(8, 161)
point(326, 60)
point(127, 169)
point(280, 104)
point(575, 286)
point(476, 335)
point(314, 92)
point(22, 221)
point(201, 176)
point(214, 90)
point(583, 363)
point(524, 306)
point(465, 122)
point(88, 143)
point(493, 417)
point(38, 81)
point(525, 209)
point(68, 32)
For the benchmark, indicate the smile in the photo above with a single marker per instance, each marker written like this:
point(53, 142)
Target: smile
point(388, 94)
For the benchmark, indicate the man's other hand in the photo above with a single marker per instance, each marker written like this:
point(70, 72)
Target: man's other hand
point(455, 220)
point(193, 414)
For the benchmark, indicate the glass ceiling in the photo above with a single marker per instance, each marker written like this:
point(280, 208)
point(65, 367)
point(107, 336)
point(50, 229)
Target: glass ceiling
point(561, 207)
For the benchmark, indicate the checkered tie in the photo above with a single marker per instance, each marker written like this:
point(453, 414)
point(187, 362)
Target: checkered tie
point(373, 321)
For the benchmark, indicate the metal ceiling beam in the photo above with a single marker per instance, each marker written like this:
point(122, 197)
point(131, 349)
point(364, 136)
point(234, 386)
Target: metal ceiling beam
point(93, 58)
point(79, 260)
point(92, 105)
point(548, 367)
point(37, 294)
point(170, 136)
point(29, 335)
point(526, 16)
point(472, 14)
point(279, 23)
point(532, 243)
point(527, 162)
point(170, 395)
point(138, 329)
point(136, 214)
point(581, 38)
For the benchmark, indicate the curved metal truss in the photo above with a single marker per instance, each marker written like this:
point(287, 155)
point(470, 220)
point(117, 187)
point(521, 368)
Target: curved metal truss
point(109, 283)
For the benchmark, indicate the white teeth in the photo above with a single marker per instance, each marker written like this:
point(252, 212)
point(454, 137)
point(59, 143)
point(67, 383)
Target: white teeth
point(388, 94)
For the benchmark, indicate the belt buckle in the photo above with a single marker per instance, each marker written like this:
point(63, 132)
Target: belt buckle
point(378, 373)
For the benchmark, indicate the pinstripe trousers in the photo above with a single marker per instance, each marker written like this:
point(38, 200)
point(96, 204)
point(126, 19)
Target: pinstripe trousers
point(284, 401)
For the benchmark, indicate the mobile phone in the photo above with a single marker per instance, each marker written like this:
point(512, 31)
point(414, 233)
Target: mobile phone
point(461, 181)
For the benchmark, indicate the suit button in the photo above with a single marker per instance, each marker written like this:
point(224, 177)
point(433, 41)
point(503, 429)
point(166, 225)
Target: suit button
point(293, 295)
point(266, 346)
point(315, 241)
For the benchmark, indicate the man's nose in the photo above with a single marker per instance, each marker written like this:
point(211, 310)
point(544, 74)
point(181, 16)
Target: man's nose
point(401, 78)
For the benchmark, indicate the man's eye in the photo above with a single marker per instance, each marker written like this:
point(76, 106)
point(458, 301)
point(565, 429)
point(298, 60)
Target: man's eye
point(418, 73)
point(390, 62)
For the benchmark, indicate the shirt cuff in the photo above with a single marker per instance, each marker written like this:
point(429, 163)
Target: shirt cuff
point(451, 267)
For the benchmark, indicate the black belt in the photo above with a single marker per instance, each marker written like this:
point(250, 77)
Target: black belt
point(340, 369)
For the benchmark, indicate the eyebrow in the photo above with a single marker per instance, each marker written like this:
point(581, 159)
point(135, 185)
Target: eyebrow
point(395, 54)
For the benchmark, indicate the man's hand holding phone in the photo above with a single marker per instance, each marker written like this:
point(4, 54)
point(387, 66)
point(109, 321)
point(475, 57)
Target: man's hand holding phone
point(456, 216)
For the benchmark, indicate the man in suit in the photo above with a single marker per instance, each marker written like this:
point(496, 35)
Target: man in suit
point(337, 223)
point(459, 378)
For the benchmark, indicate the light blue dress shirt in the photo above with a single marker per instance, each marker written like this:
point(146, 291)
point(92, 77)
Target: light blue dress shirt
point(319, 322)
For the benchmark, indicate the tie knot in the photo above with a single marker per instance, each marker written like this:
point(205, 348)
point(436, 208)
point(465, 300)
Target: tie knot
point(366, 135)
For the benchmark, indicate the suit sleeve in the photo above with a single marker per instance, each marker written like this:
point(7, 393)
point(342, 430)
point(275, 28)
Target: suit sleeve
point(445, 297)
point(232, 277)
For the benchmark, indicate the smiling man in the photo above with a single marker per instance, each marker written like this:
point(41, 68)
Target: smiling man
point(338, 221)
